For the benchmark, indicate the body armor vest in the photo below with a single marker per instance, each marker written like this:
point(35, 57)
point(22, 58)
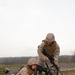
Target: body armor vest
point(50, 49)
point(29, 70)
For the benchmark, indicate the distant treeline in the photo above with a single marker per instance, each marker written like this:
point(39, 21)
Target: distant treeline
point(24, 60)
point(14, 60)
point(67, 59)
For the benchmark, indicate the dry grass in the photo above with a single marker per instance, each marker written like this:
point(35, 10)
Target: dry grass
point(71, 72)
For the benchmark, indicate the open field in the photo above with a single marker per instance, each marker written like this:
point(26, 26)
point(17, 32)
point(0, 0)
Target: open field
point(66, 68)
point(69, 72)
point(12, 67)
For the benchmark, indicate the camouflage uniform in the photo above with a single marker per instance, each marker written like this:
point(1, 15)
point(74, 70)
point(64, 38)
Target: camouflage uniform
point(26, 69)
point(50, 49)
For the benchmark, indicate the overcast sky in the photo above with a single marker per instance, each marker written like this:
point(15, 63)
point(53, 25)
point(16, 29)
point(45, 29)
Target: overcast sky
point(25, 23)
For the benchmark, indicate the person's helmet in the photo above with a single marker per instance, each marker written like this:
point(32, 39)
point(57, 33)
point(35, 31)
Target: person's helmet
point(50, 37)
point(32, 61)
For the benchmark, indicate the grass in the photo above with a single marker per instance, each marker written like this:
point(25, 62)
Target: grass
point(2, 66)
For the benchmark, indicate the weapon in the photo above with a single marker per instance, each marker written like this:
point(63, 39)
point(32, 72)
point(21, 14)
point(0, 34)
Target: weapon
point(51, 58)
point(41, 69)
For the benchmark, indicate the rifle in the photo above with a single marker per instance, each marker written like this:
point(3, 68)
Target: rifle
point(41, 69)
point(51, 58)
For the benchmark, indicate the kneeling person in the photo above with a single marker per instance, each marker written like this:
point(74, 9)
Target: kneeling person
point(28, 69)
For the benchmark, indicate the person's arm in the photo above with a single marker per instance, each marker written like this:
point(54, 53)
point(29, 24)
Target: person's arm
point(56, 54)
point(39, 51)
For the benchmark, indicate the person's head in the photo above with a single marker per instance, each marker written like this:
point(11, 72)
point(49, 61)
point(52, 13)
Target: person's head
point(50, 38)
point(32, 63)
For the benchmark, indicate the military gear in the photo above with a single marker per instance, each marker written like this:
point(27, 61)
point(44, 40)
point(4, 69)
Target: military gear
point(23, 71)
point(27, 70)
point(52, 49)
point(50, 37)
point(51, 58)
point(32, 61)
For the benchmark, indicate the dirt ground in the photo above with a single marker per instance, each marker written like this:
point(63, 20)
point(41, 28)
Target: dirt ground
point(71, 72)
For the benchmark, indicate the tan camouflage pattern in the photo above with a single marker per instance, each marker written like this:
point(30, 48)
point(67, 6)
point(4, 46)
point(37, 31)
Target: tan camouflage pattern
point(32, 61)
point(23, 71)
point(50, 37)
point(26, 70)
point(41, 56)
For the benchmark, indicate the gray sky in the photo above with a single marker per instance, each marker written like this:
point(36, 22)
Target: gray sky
point(25, 23)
